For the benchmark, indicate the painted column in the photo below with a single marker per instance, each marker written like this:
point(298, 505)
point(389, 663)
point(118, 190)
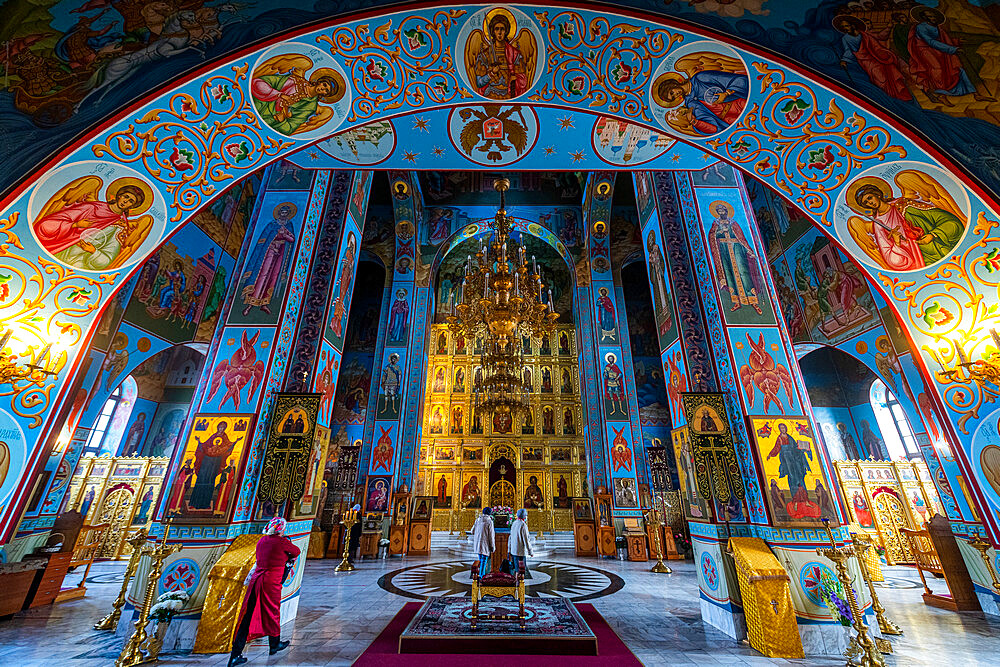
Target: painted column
point(788, 481)
point(689, 366)
point(379, 470)
point(247, 363)
point(591, 393)
point(664, 320)
point(613, 373)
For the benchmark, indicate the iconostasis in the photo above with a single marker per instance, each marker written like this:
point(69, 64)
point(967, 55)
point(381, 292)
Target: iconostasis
point(538, 463)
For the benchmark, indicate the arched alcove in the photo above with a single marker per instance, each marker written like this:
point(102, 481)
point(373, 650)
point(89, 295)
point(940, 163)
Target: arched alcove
point(840, 389)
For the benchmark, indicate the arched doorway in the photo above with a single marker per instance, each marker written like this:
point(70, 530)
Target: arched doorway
point(539, 461)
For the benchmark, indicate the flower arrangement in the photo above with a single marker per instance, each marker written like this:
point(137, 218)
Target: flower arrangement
point(682, 542)
point(832, 593)
point(167, 605)
point(503, 509)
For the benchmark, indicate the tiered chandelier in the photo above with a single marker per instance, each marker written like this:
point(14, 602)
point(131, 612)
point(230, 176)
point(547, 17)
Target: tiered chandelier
point(502, 300)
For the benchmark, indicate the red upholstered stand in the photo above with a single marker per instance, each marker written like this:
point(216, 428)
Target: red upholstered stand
point(497, 584)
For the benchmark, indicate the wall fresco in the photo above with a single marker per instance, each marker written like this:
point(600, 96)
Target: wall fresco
point(220, 154)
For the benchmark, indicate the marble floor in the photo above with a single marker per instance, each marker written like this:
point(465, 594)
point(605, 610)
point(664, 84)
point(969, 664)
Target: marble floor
point(656, 615)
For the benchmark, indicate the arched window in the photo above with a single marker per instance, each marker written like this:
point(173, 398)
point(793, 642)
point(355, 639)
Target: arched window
point(899, 439)
point(100, 430)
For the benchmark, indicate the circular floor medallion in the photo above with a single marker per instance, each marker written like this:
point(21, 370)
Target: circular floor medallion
point(549, 579)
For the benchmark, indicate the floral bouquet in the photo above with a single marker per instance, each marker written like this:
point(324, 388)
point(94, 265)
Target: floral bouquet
point(502, 515)
point(832, 593)
point(167, 605)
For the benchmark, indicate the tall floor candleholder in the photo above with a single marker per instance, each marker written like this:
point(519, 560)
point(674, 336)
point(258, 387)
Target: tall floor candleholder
point(982, 546)
point(653, 520)
point(349, 520)
point(885, 625)
point(132, 653)
point(861, 644)
point(137, 541)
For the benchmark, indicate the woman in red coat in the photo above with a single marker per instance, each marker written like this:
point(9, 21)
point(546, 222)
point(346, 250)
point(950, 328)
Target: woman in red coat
point(261, 613)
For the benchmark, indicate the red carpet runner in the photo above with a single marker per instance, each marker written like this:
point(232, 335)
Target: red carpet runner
point(383, 652)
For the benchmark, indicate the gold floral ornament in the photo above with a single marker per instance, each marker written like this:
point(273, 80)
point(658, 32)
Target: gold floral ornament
point(595, 62)
point(949, 309)
point(196, 144)
point(397, 67)
point(808, 152)
point(39, 302)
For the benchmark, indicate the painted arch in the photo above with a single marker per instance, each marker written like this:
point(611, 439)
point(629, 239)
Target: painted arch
point(182, 145)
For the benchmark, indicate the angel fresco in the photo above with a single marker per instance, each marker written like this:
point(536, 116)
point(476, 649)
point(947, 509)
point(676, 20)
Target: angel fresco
point(705, 95)
point(289, 101)
point(499, 60)
point(92, 231)
point(911, 231)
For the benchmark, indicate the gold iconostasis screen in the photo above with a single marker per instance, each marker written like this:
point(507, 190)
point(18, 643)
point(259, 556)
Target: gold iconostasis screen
point(538, 462)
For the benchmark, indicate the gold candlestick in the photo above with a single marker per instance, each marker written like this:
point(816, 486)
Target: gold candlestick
point(653, 520)
point(132, 652)
point(349, 520)
point(982, 546)
point(861, 644)
point(110, 621)
point(885, 625)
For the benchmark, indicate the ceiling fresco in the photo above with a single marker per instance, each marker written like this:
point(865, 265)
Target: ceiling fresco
point(460, 138)
point(69, 63)
point(466, 68)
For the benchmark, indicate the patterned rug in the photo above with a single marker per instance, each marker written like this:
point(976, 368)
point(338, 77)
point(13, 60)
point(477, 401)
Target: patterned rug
point(496, 650)
point(450, 616)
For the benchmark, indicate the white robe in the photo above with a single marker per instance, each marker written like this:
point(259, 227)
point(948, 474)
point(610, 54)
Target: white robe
point(518, 544)
point(483, 536)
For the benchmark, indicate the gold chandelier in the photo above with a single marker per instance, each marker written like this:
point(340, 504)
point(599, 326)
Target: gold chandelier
point(501, 301)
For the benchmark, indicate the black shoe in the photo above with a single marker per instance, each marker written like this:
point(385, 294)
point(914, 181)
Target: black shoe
point(280, 647)
point(238, 660)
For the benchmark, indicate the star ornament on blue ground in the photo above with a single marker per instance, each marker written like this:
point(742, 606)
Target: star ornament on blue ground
point(547, 579)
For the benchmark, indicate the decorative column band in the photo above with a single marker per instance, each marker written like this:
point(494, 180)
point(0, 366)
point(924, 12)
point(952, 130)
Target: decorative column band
point(305, 355)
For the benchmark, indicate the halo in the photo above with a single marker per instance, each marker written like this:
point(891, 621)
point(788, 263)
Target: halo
point(917, 10)
point(147, 190)
point(404, 230)
point(853, 188)
point(600, 227)
point(609, 356)
point(674, 76)
point(289, 204)
point(336, 95)
point(510, 19)
point(729, 207)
